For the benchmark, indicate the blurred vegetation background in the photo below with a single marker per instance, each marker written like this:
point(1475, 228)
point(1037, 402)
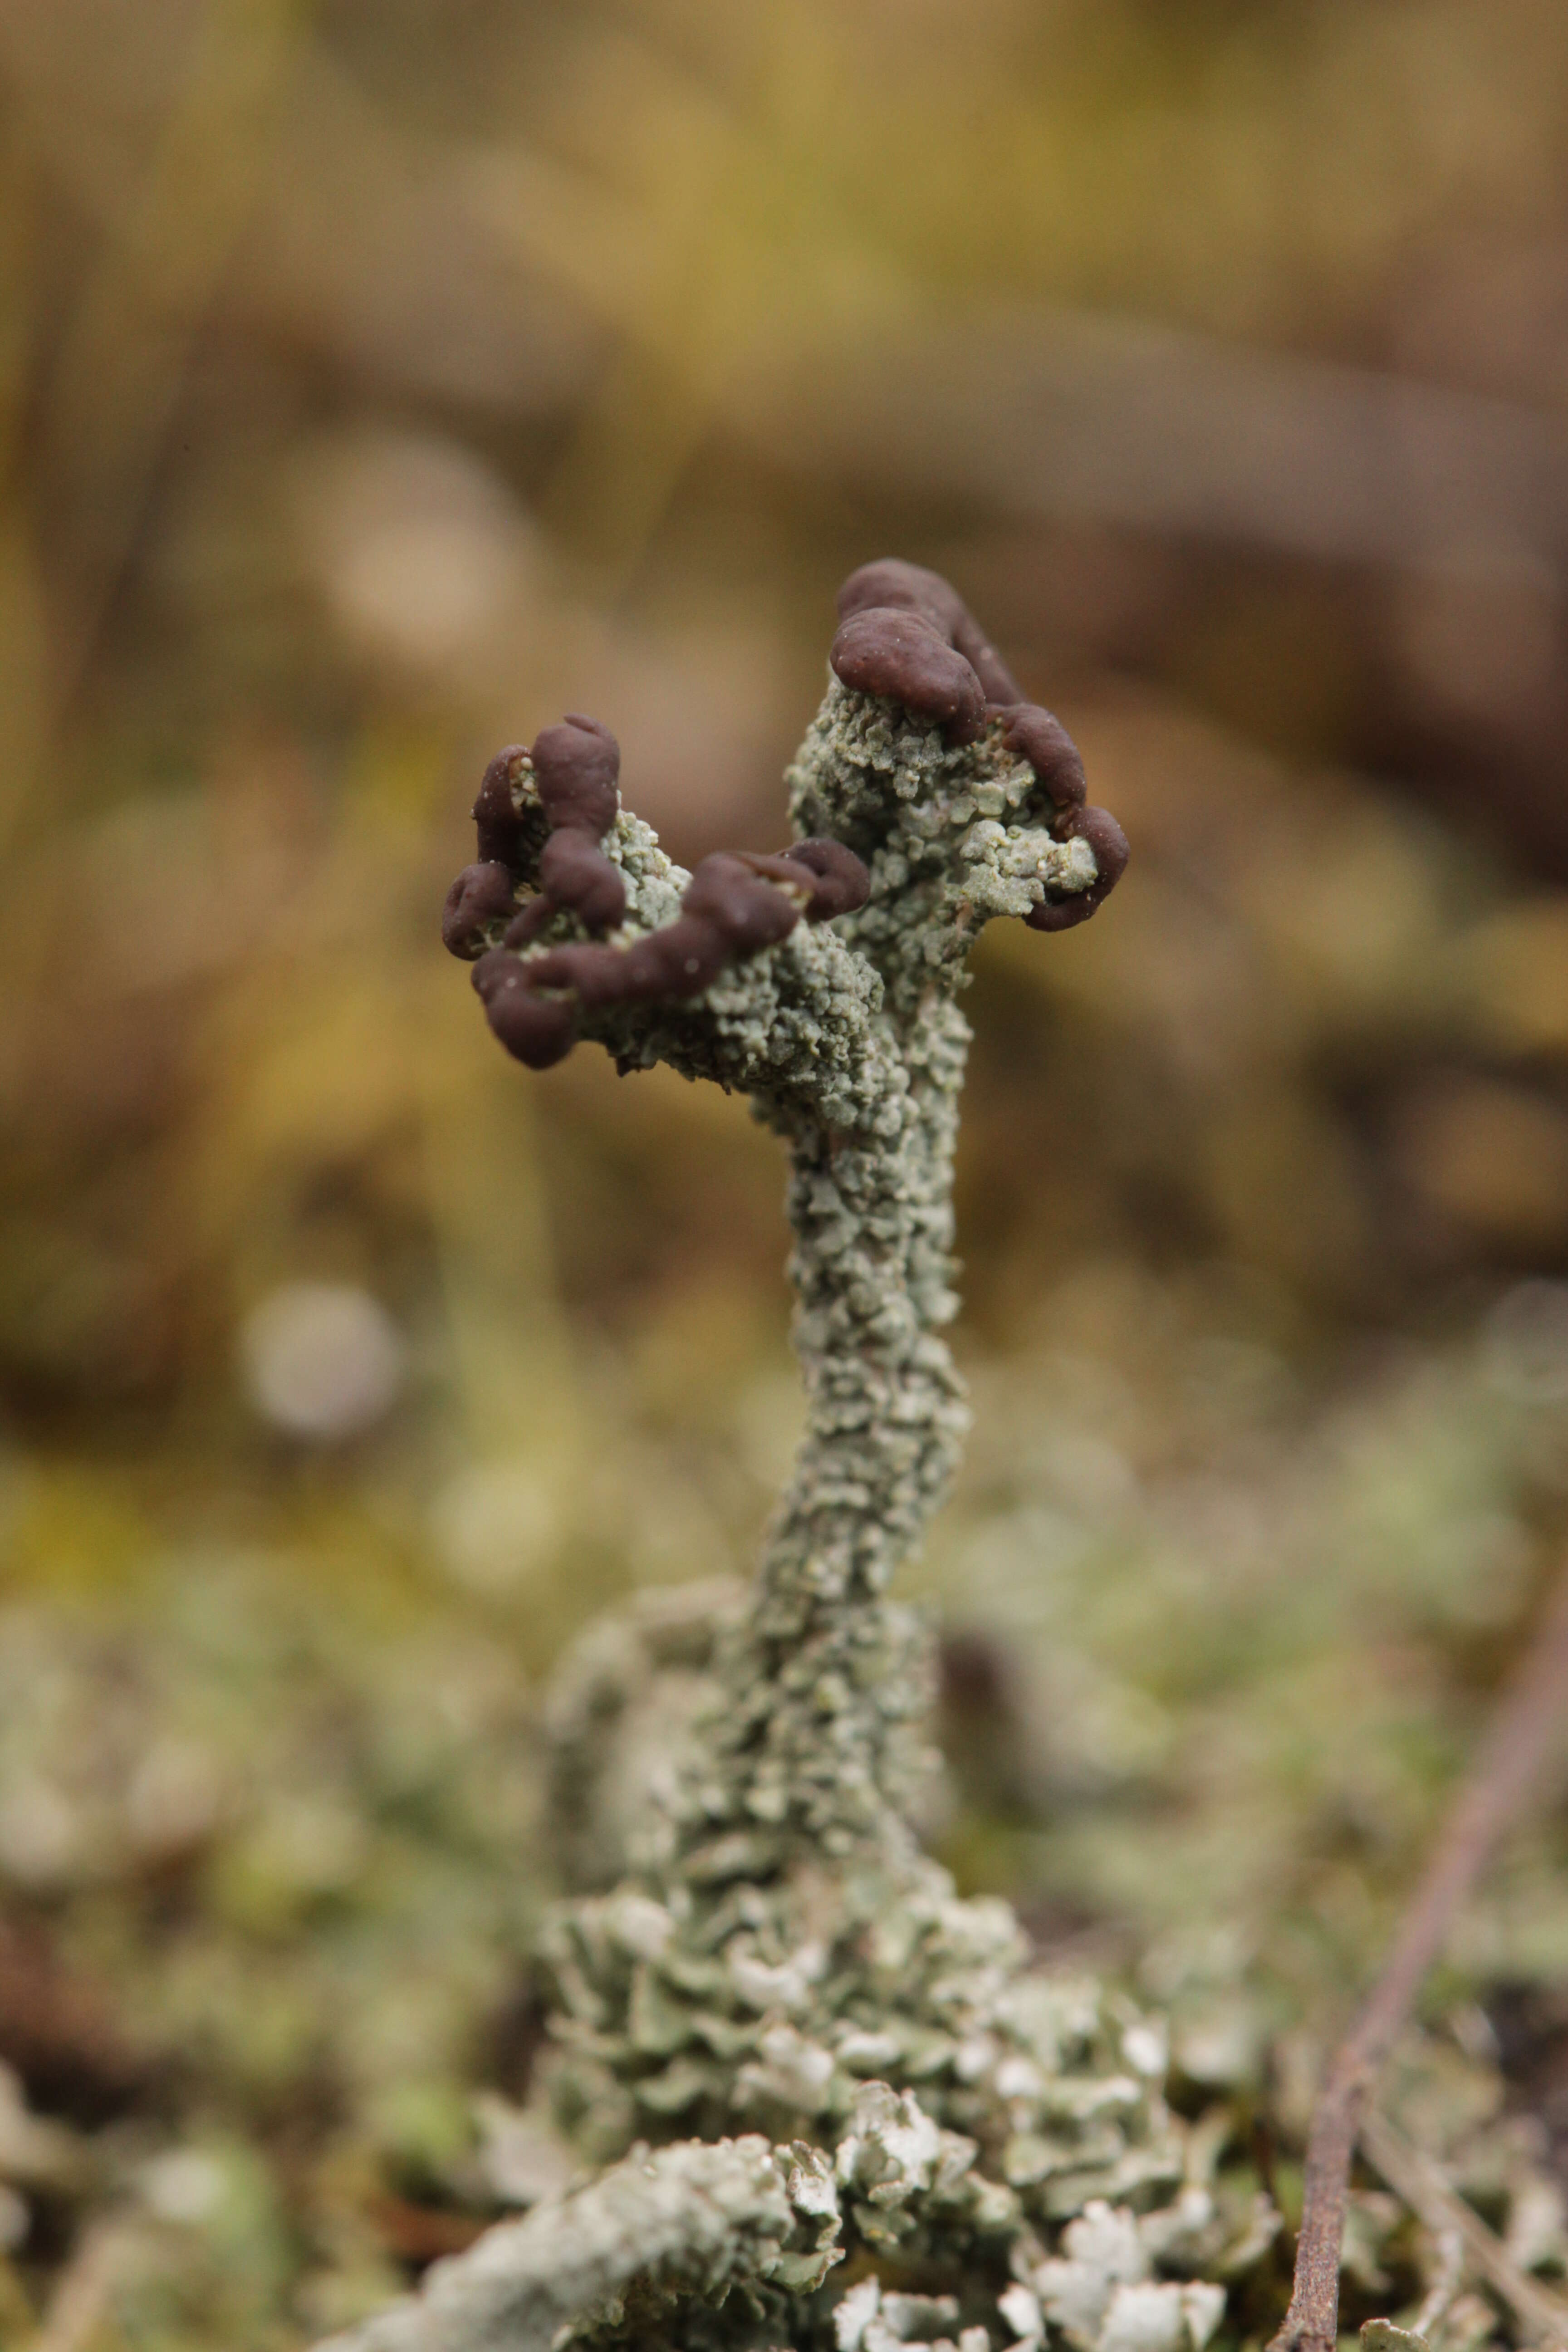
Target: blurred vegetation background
point(378, 380)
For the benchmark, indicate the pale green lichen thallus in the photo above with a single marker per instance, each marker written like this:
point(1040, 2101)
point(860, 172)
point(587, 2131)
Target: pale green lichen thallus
point(814, 2098)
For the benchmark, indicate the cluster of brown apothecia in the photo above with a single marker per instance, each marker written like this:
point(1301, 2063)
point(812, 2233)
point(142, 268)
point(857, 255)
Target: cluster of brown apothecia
point(906, 638)
point(733, 906)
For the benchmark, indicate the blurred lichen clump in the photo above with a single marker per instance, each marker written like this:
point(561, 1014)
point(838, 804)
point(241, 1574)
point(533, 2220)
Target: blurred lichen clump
point(273, 1871)
point(372, 381)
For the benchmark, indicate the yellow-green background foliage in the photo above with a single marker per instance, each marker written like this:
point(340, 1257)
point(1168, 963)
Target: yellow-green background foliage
point(379, 379)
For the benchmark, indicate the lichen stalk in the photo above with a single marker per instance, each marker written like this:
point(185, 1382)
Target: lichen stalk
point(813, 1739)
point(781, 1954)
point(792, 1851)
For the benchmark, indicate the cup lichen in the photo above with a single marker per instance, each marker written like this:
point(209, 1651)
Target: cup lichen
point(939, 2142)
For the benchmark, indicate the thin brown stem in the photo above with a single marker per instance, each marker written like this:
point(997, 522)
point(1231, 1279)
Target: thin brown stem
point(1531, 1717)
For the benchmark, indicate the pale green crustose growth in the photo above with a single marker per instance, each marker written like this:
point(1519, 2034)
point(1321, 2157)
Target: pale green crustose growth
point(879, 2124)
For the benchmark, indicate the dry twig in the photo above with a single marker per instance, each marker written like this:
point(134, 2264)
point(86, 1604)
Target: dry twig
point(1532, 1717)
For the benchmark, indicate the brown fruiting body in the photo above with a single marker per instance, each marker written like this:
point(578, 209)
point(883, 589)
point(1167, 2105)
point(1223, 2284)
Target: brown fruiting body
point(892, 584)
point(538, 1030)
point(480, 895)
point(905, 637)
point(732, 910)
point(496, 814)
point(1042, 739)
point(1109, 843)
point(903, 656)
point(576, 765)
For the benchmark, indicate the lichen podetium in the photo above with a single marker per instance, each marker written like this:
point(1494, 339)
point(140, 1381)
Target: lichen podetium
point(938, 2142)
